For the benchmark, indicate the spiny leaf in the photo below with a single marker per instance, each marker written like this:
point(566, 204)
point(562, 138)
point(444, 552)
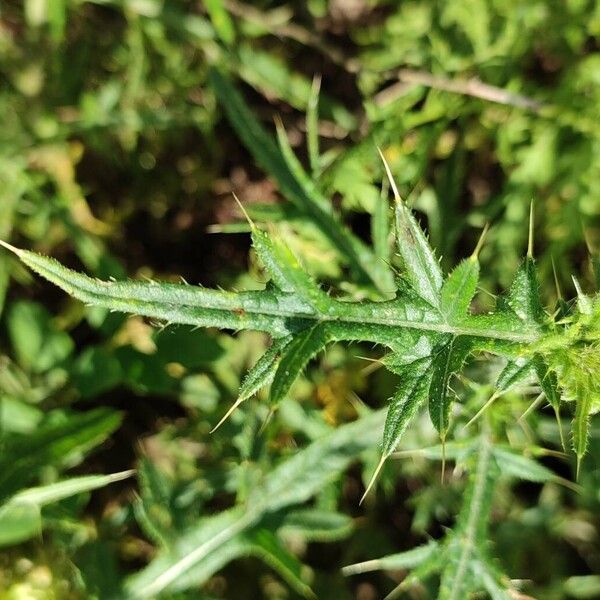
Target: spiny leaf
point(296, 355)
point(287, 272)
point(447, 360)
point(259, 376)
point(524, 294)
point(411, 393)
point(422, 267)
point(549, 383)
point(515, 372)
point(581, 425)
point(263, 371)
point(459, 288)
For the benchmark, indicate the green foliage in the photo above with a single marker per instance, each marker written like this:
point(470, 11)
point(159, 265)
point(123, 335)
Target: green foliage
point(293, 306)
point(128, 125)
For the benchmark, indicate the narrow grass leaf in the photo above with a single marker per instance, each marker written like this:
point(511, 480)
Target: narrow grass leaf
point(221, 20)
point(297, 187)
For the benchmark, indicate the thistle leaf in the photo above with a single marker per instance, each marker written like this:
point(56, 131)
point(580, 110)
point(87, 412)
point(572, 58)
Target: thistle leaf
point(459, 288)
point(263, 371)
point(515, 372)
point(447, 360)
point(549, 383)
point(287, 272)
point(581, 425)
point(422, 267)
point(296, 355)
point(259, 376)
point(409, 396)
point(524, 294)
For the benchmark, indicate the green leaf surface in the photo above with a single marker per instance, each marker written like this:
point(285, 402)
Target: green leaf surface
point(60, 444)
point(524, 294)
point(522, 467)
point(298, 188)
point(514, 373)
point(316, 525)
point(20, 515)
point(421, 266)
point(263, 371)
point(221, 20)
point(265, 545)
point(411, 393)
point(402, 560)
point(286, 271)
point(459, 288)
point(295, 356)
point(217, 539)
point(38, 344)
point(446, 361)
point(470, 533)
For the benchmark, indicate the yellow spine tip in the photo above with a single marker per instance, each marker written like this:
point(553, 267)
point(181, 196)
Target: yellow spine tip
point(11, 248)
point(480, 242)
point(227, 414)
point(390, 177)
point(373, 478)
point(531, 227)
point(241, 207)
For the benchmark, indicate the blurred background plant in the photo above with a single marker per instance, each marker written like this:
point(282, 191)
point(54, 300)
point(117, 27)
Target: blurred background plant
point(127, 125)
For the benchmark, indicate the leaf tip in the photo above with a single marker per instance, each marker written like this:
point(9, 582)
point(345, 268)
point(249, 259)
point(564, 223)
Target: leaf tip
point(12, 248)
point(475, 255)
point(373, 478)
point(227, 414)
point(246, 215)
point(531, 227)
point(390, 177)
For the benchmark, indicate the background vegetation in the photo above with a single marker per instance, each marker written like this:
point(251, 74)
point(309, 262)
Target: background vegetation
point(126, 127)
